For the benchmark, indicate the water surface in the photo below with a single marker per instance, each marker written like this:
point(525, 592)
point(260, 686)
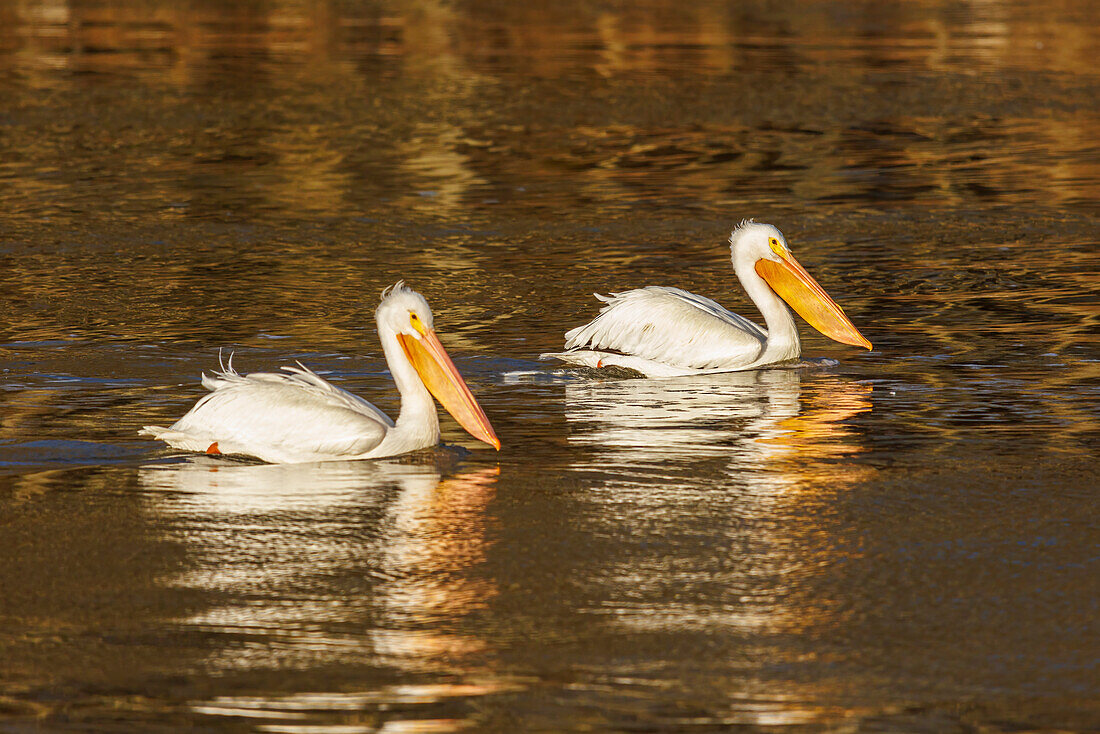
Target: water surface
point(900, 540)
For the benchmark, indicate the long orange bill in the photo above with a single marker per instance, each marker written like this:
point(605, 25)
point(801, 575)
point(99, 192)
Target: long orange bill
point(441, 378)
point(798, 288)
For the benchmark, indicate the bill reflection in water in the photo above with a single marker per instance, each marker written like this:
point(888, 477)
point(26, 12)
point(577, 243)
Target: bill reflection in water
point(719, 496)
point(381, 559)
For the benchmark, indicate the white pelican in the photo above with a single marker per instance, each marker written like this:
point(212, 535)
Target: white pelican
point(668, 332)
point(299, 417)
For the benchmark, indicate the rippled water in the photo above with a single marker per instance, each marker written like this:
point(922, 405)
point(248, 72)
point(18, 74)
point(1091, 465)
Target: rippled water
point(901, 540)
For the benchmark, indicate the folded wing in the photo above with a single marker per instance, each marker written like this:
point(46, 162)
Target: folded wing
point(670, 326)
point(278, 417)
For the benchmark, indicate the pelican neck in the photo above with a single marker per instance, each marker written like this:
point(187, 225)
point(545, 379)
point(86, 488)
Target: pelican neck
point(783, 342)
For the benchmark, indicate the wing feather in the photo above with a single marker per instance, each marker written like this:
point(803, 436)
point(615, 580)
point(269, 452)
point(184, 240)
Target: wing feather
point(670, 326)
point(302, 378)
point(280, 417)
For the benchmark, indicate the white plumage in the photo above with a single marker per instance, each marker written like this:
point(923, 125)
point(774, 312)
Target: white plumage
point(670, 327)
point(666, 332)
point(300, 417)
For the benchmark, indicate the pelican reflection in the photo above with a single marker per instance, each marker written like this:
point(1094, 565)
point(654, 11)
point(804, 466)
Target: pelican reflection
point(434, 538)
point(755, 419)
point(721, 494)
point(365, 563)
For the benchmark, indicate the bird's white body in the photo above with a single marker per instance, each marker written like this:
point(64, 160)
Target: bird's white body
point(668, 332)
point(299, 417)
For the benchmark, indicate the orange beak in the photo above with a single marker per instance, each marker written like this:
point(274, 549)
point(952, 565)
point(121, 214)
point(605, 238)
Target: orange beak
point(798, 288)
point(441, 377)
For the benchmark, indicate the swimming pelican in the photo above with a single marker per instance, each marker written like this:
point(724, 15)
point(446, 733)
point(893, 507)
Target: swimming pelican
point(299, 417)
point(667, 332)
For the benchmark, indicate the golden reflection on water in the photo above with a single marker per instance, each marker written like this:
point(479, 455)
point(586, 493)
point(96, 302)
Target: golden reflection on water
point(434, 165)
point(434, 537)
point(177, 177)
point(407, 541)
point(313, 121)
point(819, 432)
point(756, 418)
point(632, 38)
point(763, 455)
point(642, 37)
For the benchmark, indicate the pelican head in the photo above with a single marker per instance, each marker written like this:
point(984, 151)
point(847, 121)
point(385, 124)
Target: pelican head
point(764, 248)
point(404, 313)
point(398, 307)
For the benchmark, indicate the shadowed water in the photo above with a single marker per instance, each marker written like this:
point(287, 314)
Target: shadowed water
point(900, 540)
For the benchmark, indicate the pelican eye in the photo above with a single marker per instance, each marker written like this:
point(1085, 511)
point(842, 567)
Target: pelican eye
point(777, 248)
point(416, 322)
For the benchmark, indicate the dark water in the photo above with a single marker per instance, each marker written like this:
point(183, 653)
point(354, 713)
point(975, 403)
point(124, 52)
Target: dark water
point(902, 540)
